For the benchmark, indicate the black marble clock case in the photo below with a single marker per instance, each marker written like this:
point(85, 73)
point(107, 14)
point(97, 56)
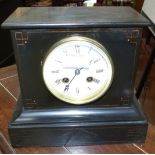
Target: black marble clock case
point(40, 119)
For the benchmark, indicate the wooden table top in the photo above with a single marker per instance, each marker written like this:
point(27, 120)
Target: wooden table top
point(9, 91)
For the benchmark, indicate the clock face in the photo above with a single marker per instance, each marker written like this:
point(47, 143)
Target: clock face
point(77, 70)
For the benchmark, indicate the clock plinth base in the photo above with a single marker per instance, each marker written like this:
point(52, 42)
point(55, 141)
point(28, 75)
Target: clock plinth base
point(67, 127)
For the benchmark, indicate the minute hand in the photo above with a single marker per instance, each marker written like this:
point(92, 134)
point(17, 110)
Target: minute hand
point(77, 72)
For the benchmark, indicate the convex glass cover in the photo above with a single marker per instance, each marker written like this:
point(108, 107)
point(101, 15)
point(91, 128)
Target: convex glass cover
point(77, 70)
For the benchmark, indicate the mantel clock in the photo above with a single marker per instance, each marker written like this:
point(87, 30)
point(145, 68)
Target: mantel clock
point(76, 70)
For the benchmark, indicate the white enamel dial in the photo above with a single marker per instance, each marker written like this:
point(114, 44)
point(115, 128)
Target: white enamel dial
point(77, 70)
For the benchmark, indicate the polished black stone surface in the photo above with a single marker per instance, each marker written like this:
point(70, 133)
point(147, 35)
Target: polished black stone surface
point(69, 17)
point(84, 126)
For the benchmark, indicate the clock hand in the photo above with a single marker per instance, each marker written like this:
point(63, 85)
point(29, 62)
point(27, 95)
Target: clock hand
point(67, 86)
point(74, 67)
point(77, 72)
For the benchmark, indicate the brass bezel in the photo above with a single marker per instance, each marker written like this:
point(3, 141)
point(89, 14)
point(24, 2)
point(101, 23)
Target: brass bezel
point(95, 95)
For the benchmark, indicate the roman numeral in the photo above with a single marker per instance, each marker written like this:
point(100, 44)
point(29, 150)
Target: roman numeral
point(89, 88)
point(56, 71)
point(66, 88)
point(99, 70)
point(89, 50)
point(90, 62)
point(97, 60)
point(77, 90)
point(77, 48)
point(66, 52)
point(58, 81)
point(96, 80)
point(58, 61)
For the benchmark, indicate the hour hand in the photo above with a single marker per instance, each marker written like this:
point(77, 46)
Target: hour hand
point(75, 68)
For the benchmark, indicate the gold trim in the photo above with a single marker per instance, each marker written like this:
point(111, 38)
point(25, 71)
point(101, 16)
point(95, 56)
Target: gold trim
point(95, 95)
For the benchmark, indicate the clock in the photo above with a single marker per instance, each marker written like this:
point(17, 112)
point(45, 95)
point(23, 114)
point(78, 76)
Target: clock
point(76, 69)
point(75, 60)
